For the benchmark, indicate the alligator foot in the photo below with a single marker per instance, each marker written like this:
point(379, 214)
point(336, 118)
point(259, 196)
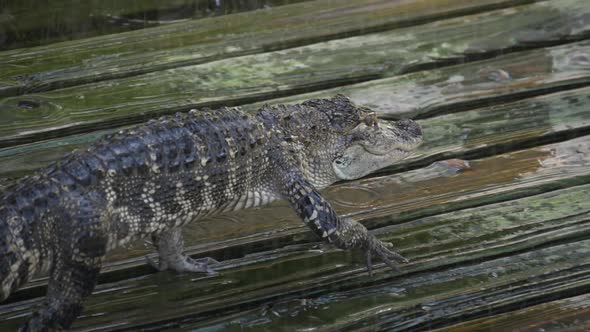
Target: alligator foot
point(184, 263)
point(382, 250)
point(170, 246)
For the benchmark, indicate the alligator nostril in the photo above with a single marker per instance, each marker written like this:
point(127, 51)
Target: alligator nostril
point(410, 126)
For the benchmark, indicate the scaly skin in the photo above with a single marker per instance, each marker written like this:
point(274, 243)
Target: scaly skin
point(154, 178)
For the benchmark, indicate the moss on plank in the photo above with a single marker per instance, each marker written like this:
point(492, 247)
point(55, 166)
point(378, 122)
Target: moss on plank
point(131, 53)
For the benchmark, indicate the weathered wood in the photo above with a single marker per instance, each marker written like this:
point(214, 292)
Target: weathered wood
point(457, 88)
point(23, 26)
point(131, 53)
point(491, 130)
point(423, 301)
point(569, 314)
point(257, 77)
point(430, 290)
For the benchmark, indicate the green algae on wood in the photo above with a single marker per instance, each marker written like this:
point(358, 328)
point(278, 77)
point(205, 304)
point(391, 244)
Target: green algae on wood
point(344, 61)
point(21, 25)
point(148, 50)
point(567, 314)
point(493, 129)
point(457, 88)
point(425, 300)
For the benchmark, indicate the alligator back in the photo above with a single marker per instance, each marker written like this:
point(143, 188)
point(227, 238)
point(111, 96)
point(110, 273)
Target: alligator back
point(129, 185)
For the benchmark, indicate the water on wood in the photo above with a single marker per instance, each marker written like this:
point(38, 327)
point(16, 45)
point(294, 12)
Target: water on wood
point(23, 23)
point(493, 209)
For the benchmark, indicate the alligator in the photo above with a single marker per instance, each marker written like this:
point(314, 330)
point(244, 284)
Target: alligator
point(151, 179)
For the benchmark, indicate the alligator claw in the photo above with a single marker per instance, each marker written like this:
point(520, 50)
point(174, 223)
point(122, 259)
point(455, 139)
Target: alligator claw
point(382, 250)
point(151, 262)
point(185, 264)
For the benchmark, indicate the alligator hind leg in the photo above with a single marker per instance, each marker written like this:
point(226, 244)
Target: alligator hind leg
point(69, 283)
point(170, 245)
point(77, 258)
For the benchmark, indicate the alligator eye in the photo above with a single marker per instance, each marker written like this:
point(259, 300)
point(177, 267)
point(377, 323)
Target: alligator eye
point(342, 161)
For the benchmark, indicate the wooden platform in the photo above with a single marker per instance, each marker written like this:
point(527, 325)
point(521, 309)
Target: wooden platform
point(493, 210)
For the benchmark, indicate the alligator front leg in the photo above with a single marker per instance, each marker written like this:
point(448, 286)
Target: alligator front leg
point(345, 233)
point(170, 245)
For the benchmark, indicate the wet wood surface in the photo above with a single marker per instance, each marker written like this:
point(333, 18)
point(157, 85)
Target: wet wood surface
point(170, 46)
point(493, 209)
point(568, 314)
point(342, 61)
point(21, 25)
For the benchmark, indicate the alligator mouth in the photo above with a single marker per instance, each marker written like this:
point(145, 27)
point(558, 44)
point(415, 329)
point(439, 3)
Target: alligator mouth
point(377, 146)
point(392, 140)
point(379, 152)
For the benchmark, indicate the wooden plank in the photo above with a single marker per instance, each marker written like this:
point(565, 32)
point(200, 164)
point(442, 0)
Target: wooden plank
point(457, 88)
point(258, 77)
point(419, 94)
point(423, 301)
point(569, 314)
point(379, 202)
point(131, 53)
point(21, 21)
point(21, 25)
point(463, 263)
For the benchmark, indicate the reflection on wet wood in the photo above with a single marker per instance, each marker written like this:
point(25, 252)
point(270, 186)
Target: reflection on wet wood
point(569, 314)
point(191, 42)
point(337, 62)
point(453, 273)
point(23, 26)
point(421, 301)
point(457, 88)
point(447, 136)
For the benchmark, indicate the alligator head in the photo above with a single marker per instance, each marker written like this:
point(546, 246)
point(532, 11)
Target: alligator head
point(375, 147)
point(351, 142)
